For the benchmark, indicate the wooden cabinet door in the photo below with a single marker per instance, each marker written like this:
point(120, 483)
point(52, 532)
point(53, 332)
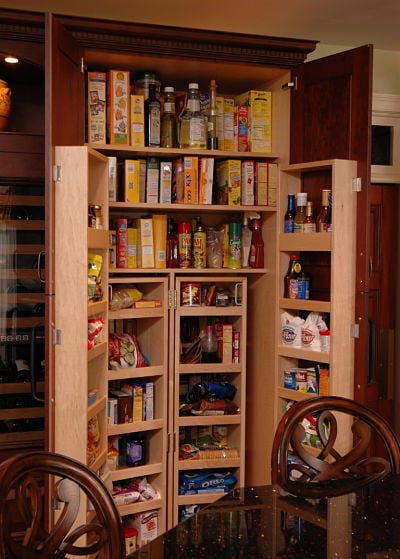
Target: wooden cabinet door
point(331, 118)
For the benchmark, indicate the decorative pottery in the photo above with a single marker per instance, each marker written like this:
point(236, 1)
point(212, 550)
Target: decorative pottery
point(5, 104)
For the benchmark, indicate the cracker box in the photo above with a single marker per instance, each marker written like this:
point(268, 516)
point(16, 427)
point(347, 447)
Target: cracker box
point(148, 411)
point(152, 179)
point(272, 187)
point(112, 179)
point(190, 179)
point(131, 180)
point(160, 240)
point(261, 182)
point(228, 177)
point(241, 128)
point(247, 180)
point(206, 179)
point(145, 254)
point(165, 182)
point(229, 125)
point(132, 236)
point(118, 107)
point(227, 340)
point(137, 120)
point(259, 118)
point(96, 107)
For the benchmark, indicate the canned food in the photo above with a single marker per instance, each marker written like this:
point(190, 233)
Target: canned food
point(191, 295)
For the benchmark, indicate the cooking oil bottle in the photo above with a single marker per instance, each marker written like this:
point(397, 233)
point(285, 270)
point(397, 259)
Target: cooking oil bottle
point(193, 129)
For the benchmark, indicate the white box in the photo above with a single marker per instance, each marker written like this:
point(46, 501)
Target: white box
point(247, 179)
point(165, 182)
point(146, 524)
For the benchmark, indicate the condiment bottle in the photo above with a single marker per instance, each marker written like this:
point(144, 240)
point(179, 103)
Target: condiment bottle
point(290, 288)
point(289, 215)
point(172, 246)
point(246, 242)
point(256, 259)
point(309, 223)
point(193, 127)
point(184, 244)
point(235, 245)
point(152, 116)
point(300, 212)
point(212, 136)
point(324, 221)
point(169, 122)
point(199, 248)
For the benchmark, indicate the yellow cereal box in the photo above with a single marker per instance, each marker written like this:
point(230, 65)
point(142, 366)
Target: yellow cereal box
point(137, 120)
point(190, 184)
point(118, 107)
point(131, 182)
point(259, 118)
point(96, 99)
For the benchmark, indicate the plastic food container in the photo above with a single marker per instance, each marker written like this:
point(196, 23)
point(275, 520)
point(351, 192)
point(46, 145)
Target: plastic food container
point(191, 295)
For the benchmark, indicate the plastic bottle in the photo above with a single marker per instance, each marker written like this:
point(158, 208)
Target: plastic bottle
point(324, 221)
point(199, 248)
point(193, 127)
point(209, 347)
point(235, 245)
point(172, 246)
point(152, 118)
point(246, 242)
point(309, 223)
point(212, 136)
point(290, 215)
point(300, 212)
point(290, 288)
point(169, 122)
point(184, 245)
point(256, 259)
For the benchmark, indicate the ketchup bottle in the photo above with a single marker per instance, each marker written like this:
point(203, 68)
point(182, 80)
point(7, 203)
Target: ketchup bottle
point(256, 258)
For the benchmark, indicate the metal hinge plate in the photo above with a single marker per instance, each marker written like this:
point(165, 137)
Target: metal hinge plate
point(355, 331)
point(57, 173)
point(356, 184)
point(290, 85)
point(56, 336)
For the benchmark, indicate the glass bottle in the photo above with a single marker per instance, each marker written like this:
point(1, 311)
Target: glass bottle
point(212, 137)
point(172, 246)
point(324, 216)
point(193, 126)
point(152, 115)
point(169, 122)
point(290, 288)
point(309, 223)
point(300, 212)
point(290, 215)
point(209, 347)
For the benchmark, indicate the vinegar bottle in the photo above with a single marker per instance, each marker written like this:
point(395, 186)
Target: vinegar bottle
point(193, 129)
point(152, 115)
point(169, 123)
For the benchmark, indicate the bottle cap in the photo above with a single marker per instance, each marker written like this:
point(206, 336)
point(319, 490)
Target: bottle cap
point(169, 89)
point(193, 85)
point(302, 198)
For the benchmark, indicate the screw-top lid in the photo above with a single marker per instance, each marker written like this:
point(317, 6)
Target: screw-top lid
point(302, 198)
point(169, 89)
point(193, 85)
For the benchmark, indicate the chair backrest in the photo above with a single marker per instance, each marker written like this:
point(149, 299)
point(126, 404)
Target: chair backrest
point(22, 481)
point(322, 448)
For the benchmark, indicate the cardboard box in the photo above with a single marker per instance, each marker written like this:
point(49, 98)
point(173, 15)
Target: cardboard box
point(229, 125)
point(145, 255)
point(112, 250)
point(247, 182)
point(124, 406)
point(259, 103)
point(190, 180)
point(137, 120)
point(112, 179)
point(228, 177)
point(148, 408)
point(219, 101)
point(160, 240)
point(206, 180)
point(227, 343)
point(122, 242)
point(96, 100)
point(146, 524)
point(241, 128)
point(118, 107)
point(137, 402)
point(131, 180)
point(132, 235)
point(152, 180)
point(112, 411)
point(261, 183)
point(273, 181)
point(165, 182)
point(177, 181)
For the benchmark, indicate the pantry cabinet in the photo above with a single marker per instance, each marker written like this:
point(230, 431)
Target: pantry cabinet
point(77, 176)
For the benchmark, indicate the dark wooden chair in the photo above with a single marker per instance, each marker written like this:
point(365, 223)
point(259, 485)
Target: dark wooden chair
point(22, 482)
point(341, 462)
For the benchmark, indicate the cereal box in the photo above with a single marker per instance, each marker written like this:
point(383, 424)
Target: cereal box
point(206, 180)
point(261, 183)
point(137, 120)
point(118, 107)
point(228, 175)
point(96, 107)
point(131, 180)
point(190, 180)
point(247, 180)
point(259, 103)
point(241, 128)
point(229, 125)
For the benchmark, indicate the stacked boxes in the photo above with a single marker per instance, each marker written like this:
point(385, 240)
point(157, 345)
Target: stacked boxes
point(259, 119)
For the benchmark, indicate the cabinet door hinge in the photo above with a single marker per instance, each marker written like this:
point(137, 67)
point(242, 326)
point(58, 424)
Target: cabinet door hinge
point(83, 65)
point(355, 331)
point(172, 299)
point(57, 173)
point(356, 184)
point(56, 336)
point(290, 85)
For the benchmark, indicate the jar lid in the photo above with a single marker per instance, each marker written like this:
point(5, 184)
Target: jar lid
point(169, 89)
point(147, 76)
point(193, 85)
point(302, 198)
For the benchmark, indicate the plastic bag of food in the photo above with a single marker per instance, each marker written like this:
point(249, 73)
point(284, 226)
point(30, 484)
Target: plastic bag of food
point(291, 329)
point(95, 331)
point(123, 352)
point(123, 297)
point(310, 338)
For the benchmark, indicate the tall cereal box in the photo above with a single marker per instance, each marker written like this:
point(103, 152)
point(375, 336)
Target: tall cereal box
point(96, 107)
point(118, 107)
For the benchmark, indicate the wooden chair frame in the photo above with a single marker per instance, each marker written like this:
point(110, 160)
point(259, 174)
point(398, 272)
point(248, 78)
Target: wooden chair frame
point(325, 472)
point(21, 477)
